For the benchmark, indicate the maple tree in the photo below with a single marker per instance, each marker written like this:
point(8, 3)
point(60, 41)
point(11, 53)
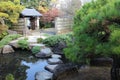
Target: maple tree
point(50, 15)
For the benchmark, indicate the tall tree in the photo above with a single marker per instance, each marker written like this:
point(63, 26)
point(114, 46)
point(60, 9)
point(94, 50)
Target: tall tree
point(10, 9)
point(30, 3)
point(69, 7)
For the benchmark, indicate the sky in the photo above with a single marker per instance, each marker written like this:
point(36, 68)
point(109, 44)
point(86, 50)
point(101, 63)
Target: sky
point(84, 1)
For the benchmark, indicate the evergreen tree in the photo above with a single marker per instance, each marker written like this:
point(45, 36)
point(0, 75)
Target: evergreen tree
point(97, 34)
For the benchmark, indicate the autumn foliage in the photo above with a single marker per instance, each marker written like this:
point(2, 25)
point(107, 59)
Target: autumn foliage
point(50, 15)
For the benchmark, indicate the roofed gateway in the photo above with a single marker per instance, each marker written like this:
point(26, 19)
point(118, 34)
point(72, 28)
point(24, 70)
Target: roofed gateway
point(30, 13)
point(29, 19)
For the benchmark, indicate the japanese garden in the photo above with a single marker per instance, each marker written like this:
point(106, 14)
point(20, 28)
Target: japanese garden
point(59, 39)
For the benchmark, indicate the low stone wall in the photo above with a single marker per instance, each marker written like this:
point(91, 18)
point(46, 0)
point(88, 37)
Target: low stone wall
point(20, 26)
point(63, 24)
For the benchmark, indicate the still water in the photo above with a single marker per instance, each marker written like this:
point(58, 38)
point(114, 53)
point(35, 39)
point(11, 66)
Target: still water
point(21, 64)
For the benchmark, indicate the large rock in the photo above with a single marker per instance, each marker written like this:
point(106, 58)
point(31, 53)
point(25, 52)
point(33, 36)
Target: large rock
point(51, 68)
point(14, 43)
point(44, 53)
point(103, 61)
point(54, 61)
point(58, 48)
point(63, 70)
point(35, 44)
point(43, 75)
point(7, 49)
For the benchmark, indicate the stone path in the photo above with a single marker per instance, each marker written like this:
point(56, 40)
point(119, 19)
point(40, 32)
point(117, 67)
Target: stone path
point(55, 58)
point(52, 64)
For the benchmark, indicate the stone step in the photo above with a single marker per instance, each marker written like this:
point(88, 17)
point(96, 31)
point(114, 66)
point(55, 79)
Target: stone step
point(54, 61)
point(43, 75)
point(56, 56)
point(51, 68)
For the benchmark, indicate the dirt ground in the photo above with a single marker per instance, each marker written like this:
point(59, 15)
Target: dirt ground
point(91, 73)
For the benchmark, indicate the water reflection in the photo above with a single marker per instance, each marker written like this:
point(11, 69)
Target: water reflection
point(34, 67)
point(21, 64)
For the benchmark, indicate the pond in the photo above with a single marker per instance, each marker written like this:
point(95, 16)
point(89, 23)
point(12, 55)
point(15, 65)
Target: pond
point(21, 64)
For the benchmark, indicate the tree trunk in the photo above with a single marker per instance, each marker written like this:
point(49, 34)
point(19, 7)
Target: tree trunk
point(115, 71)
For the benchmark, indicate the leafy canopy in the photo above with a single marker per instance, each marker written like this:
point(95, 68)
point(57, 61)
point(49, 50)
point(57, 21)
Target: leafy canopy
point(10, 9)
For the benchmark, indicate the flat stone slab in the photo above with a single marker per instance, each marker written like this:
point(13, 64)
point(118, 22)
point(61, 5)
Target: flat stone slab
point(54, 61)
point(35, 44)
point(43, 75)
point(56, 56)
point(51, 68)
point(14, 43)
point(32, 39)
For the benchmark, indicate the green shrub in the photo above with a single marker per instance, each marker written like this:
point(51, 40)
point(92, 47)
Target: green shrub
point(23, 44)
point(3, 34)
point(39, 40)
point(9, 77)
point(35, 49)
point(96, 31)
point(26, 38)
point(51, 41)
point(8, 38)
point(3, 31)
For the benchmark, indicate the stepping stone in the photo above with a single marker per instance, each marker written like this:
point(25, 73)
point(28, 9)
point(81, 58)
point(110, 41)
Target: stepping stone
point(43, 75)
point(44, 53)
point(56, 56)
point(46, 50)
point(51, 68)
point(54, 61)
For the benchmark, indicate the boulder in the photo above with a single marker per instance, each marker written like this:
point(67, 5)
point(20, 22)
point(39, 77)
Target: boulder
point(43, 75)
point(51, 68)
point(58, 48)
point(7, 49)
point(101, 61)
point(56, 56)
point(63, 70)
point(35, 44)
point(14, 43)
point(54, 61)
point(44, 53)
point(11, 32)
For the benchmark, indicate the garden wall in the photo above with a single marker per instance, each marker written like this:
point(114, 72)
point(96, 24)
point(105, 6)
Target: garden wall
point(20, 26)
point(63, 24)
